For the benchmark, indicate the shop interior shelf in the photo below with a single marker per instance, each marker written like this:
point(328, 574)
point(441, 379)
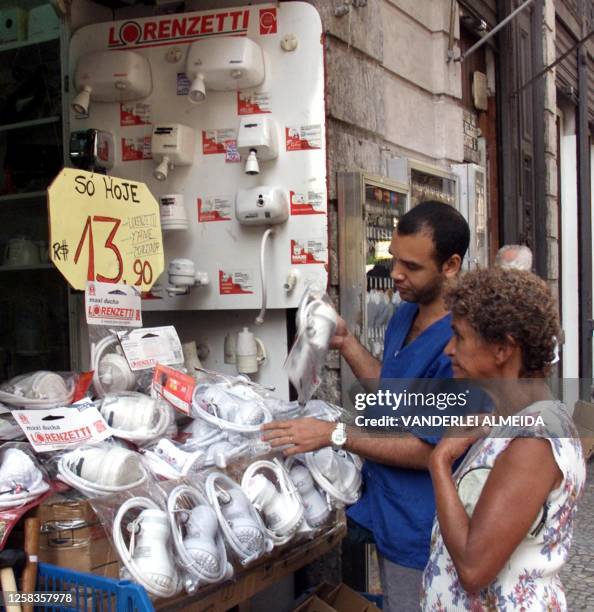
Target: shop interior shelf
point(21, 44)
point(46, 266)
point(27, 195)
point(28, 124)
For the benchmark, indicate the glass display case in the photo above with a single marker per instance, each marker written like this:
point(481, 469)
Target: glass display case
point(369, 208)
point(430, 183)
point(383, 207)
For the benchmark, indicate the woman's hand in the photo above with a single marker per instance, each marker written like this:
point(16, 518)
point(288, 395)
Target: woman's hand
point(454, 444)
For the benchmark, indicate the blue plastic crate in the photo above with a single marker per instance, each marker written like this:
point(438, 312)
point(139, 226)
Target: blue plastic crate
point(91, 593)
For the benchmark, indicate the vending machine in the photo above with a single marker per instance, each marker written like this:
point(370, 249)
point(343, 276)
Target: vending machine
point(369, 208)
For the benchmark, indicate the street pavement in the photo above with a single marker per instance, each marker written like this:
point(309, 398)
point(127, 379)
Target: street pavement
point(578, 573)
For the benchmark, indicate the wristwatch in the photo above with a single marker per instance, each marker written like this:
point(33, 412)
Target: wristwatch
point(339, 436)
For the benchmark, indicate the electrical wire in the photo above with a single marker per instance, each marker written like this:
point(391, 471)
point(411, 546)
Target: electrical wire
point(294, 515)
point(126, 552)
point(262, 313)
point(93, 489)
point(185, 559)
point(241, 549)
point(98, 351)
point(216, 421)
point(141, 434)
point(345, 497)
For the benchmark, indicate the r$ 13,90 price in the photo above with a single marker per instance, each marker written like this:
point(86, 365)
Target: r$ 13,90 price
point(142, 269)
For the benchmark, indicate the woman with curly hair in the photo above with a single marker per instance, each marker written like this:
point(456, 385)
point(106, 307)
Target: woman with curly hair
point(505, 517)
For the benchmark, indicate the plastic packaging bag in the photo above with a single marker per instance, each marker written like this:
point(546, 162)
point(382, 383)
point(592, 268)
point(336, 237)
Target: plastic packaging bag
point(197, 537)
point(111, 372)
point(230, 405)
point(22, 479)
point(101, 469)
point(274, 495)
point(140, 530)
point(40, 389)
point(316, 324)
point(137, 417)
point(245, 533)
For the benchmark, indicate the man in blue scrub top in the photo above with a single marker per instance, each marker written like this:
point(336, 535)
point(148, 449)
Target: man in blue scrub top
point(397, 504)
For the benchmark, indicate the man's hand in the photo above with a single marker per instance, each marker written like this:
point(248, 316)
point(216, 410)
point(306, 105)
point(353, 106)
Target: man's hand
point(302, 435)
point(340, 334)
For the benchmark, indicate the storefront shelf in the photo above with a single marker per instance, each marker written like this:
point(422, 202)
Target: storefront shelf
point(21, 44)
point(29, 124)
point(28, 195)
point(47, 266)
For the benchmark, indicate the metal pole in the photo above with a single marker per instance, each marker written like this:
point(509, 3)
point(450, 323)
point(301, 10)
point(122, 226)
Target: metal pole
point(494, 31)
point(550, 66)
point(451, 33)
point(585, 229)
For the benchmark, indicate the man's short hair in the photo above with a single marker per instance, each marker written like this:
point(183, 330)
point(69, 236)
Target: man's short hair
point(446, 226)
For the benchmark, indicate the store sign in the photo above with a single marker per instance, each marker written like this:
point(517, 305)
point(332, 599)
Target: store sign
point(181, 28)
point(104, 229)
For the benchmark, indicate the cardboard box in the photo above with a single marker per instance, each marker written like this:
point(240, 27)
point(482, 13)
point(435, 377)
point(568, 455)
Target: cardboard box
point(583, 416)
point(73, 537)
point(314, 604)
point(339, 598)
point(344, 599)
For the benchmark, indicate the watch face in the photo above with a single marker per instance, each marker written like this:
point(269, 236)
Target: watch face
point(338, 437)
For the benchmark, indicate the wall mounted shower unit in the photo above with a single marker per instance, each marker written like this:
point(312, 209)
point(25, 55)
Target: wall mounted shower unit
point(226, 63)
point(108, 76)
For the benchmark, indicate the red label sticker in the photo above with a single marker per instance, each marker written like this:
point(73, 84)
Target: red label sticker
point(214, 141)
point(174, 386)
point(214, 209)
point(234, 283)
point(81, 386)
point(306, 203)
point(253, 103)
point(303, 138)
point(136, 149)
point(134, 113)
point(307, 252)
point(267, 21)
point(149, 295)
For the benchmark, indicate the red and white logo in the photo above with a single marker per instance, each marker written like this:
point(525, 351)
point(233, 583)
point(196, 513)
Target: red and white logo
point(268, 21)
point(177, 29)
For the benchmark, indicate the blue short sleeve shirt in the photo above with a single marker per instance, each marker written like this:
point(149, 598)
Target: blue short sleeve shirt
point(397, 505)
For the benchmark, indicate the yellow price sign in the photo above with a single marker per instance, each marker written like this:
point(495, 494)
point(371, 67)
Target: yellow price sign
point(104, 229)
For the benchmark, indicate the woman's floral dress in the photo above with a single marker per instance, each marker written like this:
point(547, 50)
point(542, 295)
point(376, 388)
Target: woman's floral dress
point(530, 579)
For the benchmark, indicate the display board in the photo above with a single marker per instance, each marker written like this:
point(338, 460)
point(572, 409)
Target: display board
point(291, 94)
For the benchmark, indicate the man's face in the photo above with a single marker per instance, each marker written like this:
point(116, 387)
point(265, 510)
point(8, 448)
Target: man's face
point(415, 272)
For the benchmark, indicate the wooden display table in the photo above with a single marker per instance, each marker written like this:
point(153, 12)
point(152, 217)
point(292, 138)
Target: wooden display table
point(256, 578)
